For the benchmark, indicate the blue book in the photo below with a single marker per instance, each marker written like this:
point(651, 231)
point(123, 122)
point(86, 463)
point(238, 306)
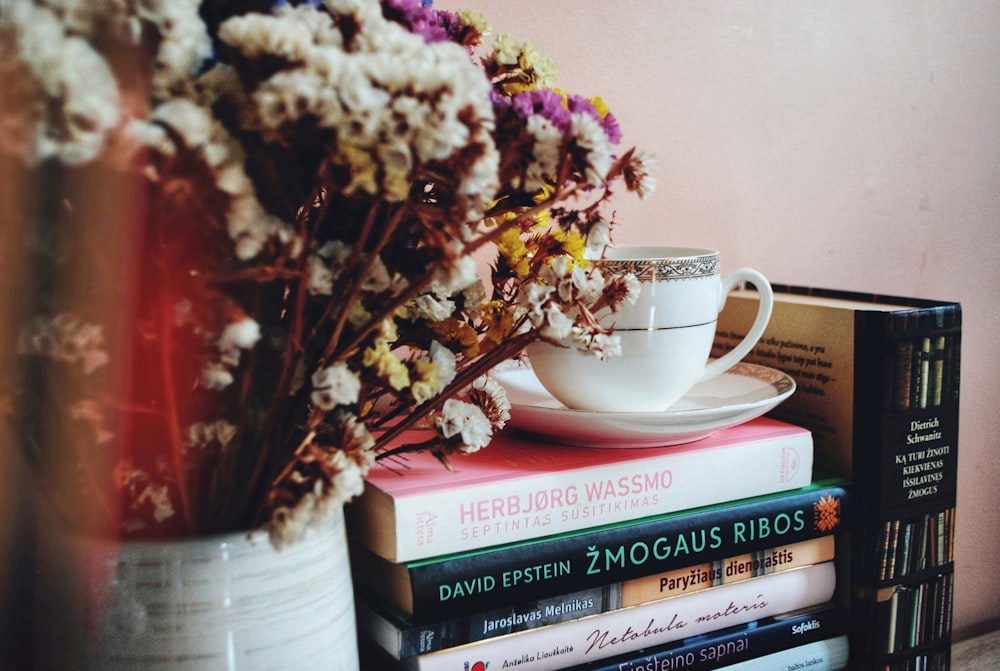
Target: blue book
point(741, 644)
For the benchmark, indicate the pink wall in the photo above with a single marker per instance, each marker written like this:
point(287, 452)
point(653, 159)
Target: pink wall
point(849, 145)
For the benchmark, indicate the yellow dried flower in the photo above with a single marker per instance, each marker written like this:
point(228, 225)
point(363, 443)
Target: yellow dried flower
point(364, 169)
point(475, 20)
point(427, 382)
point(573, 244)
point(512, 248)
point(543, 69)
point(600, 106)
point(387, 367)
point(499, 321)
point(457, 334)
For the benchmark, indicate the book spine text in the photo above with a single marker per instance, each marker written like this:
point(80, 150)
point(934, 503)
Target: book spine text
point(733, 645)
point(459, 520)
point(404, 640)
point(629, 629)
point(473, 582)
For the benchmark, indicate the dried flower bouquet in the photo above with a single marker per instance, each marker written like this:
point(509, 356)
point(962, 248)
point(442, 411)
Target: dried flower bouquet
point(242, 245)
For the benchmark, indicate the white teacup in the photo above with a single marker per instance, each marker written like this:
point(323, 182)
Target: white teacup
point(666, 336)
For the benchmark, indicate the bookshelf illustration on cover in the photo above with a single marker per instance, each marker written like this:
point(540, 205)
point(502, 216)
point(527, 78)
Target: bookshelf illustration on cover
point(878, 385)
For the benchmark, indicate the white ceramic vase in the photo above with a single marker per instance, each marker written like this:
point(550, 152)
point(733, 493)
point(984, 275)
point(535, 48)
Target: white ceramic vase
point(227, 602)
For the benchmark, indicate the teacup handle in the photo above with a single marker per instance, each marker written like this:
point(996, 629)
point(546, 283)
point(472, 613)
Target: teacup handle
point(734, 356)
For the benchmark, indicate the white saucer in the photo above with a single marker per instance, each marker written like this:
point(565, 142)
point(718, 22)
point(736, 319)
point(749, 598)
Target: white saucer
point(742, 393)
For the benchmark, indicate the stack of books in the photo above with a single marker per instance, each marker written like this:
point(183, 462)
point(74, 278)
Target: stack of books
point(714, 554)
point(710, 555)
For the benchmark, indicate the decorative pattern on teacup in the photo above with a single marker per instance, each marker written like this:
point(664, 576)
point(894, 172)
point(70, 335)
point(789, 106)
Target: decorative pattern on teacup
point(648, 270)
point(777, 379)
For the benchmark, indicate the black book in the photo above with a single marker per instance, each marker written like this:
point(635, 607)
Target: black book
point(878, 385)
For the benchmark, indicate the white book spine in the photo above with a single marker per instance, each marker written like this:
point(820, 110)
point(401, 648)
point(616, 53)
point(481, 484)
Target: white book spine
point(830, 654)
point(463, 519)
point(628, 629)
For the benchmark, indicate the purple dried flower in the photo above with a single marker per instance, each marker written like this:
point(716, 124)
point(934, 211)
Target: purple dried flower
point(544, 102)
point(611, 127)
point(420, 18)
point(577, 104)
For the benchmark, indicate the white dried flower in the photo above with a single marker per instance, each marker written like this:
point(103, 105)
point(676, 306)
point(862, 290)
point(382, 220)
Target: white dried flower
point(545, 152)
point(78, 103)
point(466, 421)
point(457, 276)
point(556, 324)
point(202, 434)
point(588, 285)
point(184, 42)
point(429, 306)
point(573, 283)
point(444, 360)
point(356, 440)
point(589, 135)
point(598, 236)
point(506, 49)
point(215, 375)
point(535, 296)
point(601, 345)
point(289, 523)
point(481, 182)
point(349, 480)
point(335, 385)
point(159, 497)
point(67, 339)
point(637, 174)
point(319, 277)
point(242, 334)
point(491, 397)
point(473, 296)
point(287, 37)
point(633, 288)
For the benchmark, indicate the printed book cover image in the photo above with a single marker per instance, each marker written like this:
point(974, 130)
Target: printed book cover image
point(878, 382)
point(519, 488)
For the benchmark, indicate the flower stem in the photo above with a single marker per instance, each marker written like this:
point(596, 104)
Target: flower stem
point(170, 409)
point(464, 378)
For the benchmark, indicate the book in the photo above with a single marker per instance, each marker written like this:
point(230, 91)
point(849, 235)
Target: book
point(521, 488)
point(402, 638)
point(727, 571)
point(756, 640)
point(878, 382)
point(626, 630)
point(485, 579)
point(705, 652)
point(831, 654)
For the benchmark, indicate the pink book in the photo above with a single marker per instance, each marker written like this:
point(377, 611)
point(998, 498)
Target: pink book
point(520, 488)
